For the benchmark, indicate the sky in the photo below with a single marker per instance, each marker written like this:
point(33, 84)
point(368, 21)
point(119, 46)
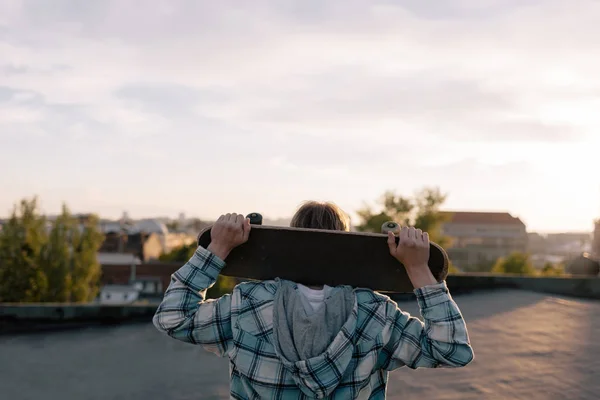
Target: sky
point(204, 107)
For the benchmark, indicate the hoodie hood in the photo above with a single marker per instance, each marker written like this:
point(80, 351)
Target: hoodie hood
point(315, 346)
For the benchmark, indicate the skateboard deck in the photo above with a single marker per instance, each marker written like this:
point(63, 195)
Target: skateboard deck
point(317, 257)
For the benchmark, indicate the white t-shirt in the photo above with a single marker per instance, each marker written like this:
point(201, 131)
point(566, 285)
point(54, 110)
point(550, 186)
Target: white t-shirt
point(315, 297)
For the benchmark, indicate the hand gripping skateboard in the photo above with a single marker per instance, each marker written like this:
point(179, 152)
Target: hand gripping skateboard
point(317, 257)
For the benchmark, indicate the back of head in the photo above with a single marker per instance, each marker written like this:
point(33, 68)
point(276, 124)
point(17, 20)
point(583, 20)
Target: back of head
point(321, 215)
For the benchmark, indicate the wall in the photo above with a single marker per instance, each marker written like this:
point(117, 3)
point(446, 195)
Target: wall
point(573, 287)
point(25, 318)
point(119, 274)
point(153, 247)
point(36, 317)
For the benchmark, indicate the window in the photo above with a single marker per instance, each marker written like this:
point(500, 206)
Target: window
point(150, 287)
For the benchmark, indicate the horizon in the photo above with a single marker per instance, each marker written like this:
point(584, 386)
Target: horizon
point(286, 219)
point(207, 108)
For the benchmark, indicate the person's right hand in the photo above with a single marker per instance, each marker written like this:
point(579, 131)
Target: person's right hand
point(228, 232)
point(412, 249)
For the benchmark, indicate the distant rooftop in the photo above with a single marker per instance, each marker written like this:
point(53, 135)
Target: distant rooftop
point(105, 258)
point(474, 217)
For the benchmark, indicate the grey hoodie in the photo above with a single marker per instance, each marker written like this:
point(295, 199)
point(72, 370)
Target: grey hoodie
point(298, 332)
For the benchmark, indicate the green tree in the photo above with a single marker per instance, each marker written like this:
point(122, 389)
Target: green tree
point(515, 263)
point(86, 271)
point(55, 259)
point(21, 242)
point(422, 211)
point(550, 269)
point(452, 269)
point(48, 265)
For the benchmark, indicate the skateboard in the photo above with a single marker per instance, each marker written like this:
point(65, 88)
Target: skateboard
point(318, 257)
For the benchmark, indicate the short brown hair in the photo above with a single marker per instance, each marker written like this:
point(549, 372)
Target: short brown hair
point(321, 215)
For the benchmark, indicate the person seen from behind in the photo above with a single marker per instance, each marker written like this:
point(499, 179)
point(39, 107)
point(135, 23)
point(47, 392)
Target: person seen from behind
point(285, 340)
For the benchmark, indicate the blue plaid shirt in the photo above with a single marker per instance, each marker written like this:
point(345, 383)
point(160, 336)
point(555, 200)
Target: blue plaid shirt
point(377, 338)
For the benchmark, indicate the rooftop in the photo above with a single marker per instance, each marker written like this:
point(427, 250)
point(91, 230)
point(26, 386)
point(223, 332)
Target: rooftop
point(106, 258)
point(129, 359)
point(474, 217)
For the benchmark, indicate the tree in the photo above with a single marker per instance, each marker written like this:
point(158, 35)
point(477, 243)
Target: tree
point(56, 259)
point(21, 241)
point(48, 265)
point(515, 263)
point(86, 270)
point(172, 226)
point(422, 211)
point(452, 269)
point(553, 269)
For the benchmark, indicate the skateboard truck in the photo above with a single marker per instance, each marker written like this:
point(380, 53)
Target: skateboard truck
point(390, 226)
point(255, 219)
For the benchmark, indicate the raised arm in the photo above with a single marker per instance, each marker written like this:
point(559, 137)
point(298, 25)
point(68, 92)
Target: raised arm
point(184, 313)
point(442, 340)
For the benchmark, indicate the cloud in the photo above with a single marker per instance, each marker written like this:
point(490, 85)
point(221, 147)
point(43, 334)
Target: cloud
point(10, 69)
point(431, 103)
point(172, 100)
point(373, 93)
point(463, 70)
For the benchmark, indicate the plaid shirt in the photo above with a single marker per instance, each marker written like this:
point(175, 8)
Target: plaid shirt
point(377, 338)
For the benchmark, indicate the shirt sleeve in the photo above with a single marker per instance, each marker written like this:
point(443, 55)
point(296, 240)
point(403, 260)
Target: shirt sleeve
point(442, 340)
point(185, 314)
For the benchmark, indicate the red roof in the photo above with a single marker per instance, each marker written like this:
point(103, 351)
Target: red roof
point(469, 217)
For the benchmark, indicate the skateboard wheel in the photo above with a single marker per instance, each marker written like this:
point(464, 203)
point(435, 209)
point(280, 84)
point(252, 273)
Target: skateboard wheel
point(390, 226)
point(255, 218)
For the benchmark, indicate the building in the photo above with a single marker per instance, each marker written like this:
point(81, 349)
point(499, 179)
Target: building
point(179, 239)
point(117, 259)
point(537, 243)
point(150, 279)
point(569, 244)
point(558, 248)
point(118, 294)
point(148, 229)
point(478, 239)
point(146, 247)
point(596, 241)
point(136, 290)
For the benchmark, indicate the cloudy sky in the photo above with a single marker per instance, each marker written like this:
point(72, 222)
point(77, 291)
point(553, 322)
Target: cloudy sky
point(203, 107)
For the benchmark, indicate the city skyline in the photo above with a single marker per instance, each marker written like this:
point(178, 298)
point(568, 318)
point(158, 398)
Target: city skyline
point(204, 108)
point(279, 220)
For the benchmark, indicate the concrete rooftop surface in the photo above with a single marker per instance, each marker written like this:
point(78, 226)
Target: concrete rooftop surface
point(527, 346)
